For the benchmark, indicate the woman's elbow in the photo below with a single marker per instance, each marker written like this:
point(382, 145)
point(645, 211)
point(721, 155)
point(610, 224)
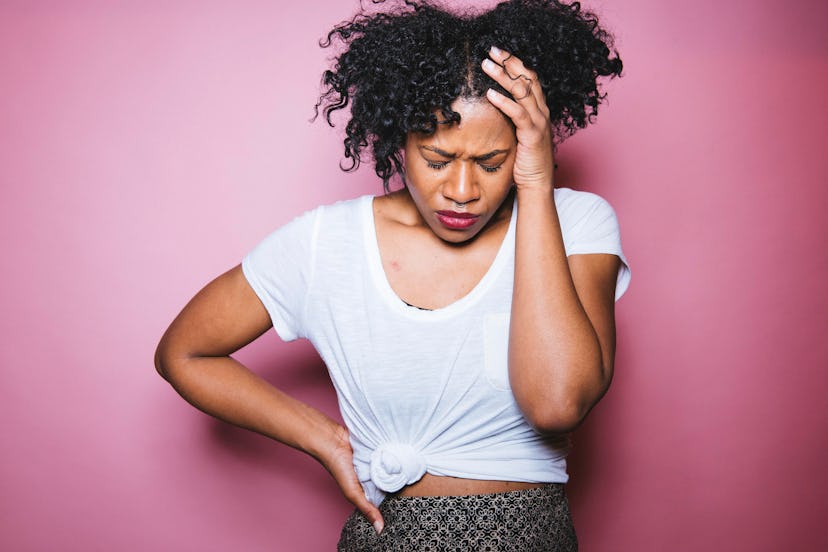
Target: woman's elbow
point(166, 362)
point(561, 418)
point(161, 364)
point(562, 412)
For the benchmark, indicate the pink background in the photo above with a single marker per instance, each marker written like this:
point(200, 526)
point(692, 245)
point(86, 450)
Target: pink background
point(147, 145)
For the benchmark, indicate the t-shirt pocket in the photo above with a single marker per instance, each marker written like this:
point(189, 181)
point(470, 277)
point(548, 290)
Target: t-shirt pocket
point(496, 350)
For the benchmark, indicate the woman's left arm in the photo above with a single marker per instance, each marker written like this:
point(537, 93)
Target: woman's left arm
point(562, 333)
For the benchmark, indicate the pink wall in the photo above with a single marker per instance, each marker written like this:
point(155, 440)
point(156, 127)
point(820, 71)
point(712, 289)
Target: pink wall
point(146, 147)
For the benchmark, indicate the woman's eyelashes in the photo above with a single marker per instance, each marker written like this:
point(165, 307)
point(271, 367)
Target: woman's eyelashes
point(437, 165)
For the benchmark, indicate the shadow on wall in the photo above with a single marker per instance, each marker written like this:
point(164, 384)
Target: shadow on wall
point(592, 443)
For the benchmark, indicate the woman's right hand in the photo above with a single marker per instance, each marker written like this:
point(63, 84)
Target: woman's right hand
point(339, 461)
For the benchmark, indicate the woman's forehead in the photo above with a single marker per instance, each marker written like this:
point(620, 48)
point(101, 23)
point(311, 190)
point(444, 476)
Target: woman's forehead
point(481, 126)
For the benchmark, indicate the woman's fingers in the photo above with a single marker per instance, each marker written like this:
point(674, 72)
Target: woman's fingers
point(520, 88)
point(356, 496)
point(534, 166)
point(531, 117)
point(340, 464)
point(352, 489)
point(521, 82)
point(516, 113)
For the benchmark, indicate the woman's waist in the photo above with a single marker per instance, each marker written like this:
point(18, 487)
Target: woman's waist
point(394, 465)
point(441, 485)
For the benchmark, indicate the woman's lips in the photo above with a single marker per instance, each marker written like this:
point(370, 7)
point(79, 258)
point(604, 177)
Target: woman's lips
point(456, 221)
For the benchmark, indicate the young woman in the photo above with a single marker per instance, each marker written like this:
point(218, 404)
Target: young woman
point(466, 319)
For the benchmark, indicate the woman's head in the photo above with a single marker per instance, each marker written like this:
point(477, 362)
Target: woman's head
point(401, 70)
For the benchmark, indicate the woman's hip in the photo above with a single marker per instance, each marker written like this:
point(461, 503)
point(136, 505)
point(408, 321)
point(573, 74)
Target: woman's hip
point(527, 520)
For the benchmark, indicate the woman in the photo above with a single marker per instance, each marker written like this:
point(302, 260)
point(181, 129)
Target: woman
point(466, 319)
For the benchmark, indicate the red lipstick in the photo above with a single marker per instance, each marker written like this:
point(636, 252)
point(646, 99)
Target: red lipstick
point(456, 221)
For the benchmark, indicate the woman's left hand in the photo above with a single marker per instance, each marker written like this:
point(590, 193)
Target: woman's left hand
point(534, 166)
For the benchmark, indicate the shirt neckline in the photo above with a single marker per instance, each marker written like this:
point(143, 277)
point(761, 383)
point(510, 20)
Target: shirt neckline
point(395, 303)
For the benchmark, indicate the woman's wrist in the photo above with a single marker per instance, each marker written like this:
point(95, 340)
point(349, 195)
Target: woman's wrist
point(542, 182)
point(324, 439)
point(539, 190)
point(532, 200)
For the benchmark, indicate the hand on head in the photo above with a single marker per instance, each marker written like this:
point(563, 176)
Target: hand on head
point(528, 111)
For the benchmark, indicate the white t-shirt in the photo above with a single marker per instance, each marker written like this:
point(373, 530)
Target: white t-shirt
point(419, 390)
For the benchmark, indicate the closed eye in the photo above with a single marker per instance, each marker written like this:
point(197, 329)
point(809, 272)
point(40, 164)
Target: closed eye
point(436, 164)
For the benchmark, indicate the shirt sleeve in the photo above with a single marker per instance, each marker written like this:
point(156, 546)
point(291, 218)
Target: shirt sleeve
point(589, 225)
point(280, 271)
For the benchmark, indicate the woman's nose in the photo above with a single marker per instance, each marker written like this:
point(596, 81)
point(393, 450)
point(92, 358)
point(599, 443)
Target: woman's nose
point(461, 186)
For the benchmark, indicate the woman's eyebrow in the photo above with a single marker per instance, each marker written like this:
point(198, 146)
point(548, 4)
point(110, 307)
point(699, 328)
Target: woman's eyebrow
point(489, 155)
point(484, 157)
point(439, 152)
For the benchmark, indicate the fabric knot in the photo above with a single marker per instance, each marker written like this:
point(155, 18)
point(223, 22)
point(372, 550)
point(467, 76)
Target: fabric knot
point(395, 465)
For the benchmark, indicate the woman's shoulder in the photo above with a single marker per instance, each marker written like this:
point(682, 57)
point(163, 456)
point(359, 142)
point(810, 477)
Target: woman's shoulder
point(334, 215)
point(577, 199)
point(341, 218)
point(577, 207)
point(345, 207)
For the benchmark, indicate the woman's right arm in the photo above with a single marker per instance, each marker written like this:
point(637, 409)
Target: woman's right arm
point(194, 357)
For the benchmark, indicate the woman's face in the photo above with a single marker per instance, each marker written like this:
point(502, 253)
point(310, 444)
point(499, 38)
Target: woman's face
point(460, 176)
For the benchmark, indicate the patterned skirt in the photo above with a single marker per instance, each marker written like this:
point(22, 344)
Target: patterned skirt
point(526, 521)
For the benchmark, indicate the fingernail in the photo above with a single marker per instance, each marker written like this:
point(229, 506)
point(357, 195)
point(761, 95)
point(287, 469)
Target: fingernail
point(488, 64)
point(378, 526)
point(495, 50)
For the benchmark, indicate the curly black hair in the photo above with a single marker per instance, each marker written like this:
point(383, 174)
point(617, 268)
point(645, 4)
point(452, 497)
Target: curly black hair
point(401, 67)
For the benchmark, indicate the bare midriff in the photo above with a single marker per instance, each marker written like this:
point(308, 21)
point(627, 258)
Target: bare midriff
point(436, 485)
